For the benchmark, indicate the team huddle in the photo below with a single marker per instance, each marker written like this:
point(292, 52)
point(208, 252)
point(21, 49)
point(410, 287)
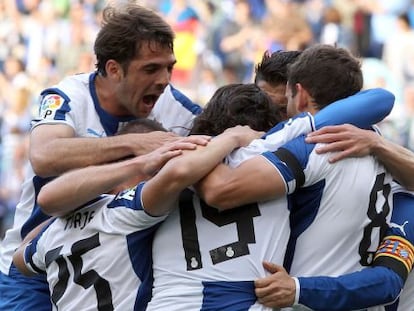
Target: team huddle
point(277, 194)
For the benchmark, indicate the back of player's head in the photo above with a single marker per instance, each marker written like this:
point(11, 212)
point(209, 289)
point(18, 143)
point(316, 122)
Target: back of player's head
point(125, 29)
point(327, 73)
point(141, 126)
point(273, 67)
point(236, 104)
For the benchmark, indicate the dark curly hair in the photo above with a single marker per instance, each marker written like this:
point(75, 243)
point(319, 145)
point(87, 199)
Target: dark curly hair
point(236, 104)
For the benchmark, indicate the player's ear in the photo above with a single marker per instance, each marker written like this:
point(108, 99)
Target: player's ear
point(304, 102)
point(114, 70)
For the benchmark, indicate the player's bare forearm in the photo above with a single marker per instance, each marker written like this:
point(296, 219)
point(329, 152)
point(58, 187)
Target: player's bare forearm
point(18, 257)
point(54, 150)
point(183, 171)
point(398, 160)
point(75, 188)
point(349, 141)
point(226, 188)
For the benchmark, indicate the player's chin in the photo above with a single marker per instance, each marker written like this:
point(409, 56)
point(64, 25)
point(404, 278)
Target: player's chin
point(144, 114)
point(144, 110)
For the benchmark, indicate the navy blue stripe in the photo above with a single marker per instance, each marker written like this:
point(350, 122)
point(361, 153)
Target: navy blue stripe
point(186, 102)
point(228, 296)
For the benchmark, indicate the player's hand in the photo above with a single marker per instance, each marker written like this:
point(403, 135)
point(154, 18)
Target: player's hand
point(244, 134)
point(145, 143)
point(345, 140)
point(156, 159)
point(276, 290)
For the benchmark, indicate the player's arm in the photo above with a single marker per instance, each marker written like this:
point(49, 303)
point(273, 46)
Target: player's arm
point(256, 179)
point(369, 287)
point(55, 149)
point(366, 288)
point(362, 109)
point(349, 141)
point(77, 187)
point(19, 255)
point(164, 188)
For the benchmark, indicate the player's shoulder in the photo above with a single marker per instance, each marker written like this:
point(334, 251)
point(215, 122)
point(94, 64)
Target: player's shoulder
point(173, 95)
point(298, 149)
point(71, 91)
point(75, 82)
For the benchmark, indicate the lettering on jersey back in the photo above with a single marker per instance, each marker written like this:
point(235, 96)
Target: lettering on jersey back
point(78, 220)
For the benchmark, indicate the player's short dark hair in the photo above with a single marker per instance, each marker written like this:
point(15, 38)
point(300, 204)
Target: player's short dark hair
point(327, 73)
point(236, 104)
point(125, 28)
point(273, 67)
point(141, 126)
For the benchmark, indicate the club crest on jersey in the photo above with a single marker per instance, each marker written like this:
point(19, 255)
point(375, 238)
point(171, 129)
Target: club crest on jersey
point(50, 104)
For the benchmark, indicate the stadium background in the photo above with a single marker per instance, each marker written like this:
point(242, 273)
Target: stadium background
point(217, 42)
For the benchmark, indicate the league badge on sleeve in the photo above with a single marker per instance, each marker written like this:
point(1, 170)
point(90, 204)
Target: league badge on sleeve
point(50, 105)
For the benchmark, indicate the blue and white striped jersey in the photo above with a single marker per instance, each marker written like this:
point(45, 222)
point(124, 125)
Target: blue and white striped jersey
point(74, 102)
point(99, 256)
point(339, 212)
point(208, 260)
point(377, 285)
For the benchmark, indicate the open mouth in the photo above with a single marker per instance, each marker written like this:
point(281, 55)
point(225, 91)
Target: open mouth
point(150, 99)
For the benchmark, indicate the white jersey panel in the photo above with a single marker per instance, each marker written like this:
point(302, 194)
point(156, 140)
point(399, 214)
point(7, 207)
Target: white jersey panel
point(175, 111)
point(340, 213)
point(93, 249)
point(354, 192)
point(275, 138)
point(197, 246)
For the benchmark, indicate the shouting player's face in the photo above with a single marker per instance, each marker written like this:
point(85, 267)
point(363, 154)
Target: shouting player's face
point(145, 80)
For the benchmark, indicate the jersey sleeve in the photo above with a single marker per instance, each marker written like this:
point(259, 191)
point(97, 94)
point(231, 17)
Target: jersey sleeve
point(397, 248)
point(279, 135)
point(363, 109)
point(127, 212)
point(66, 103)
point(34, 257)
point(291, 160)
point(369, 287)
point(53, 107)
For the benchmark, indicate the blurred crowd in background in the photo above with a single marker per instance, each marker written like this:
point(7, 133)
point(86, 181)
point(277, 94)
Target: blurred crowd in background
point(217, 42)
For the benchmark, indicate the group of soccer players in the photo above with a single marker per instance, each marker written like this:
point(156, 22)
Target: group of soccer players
point(190, 232)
